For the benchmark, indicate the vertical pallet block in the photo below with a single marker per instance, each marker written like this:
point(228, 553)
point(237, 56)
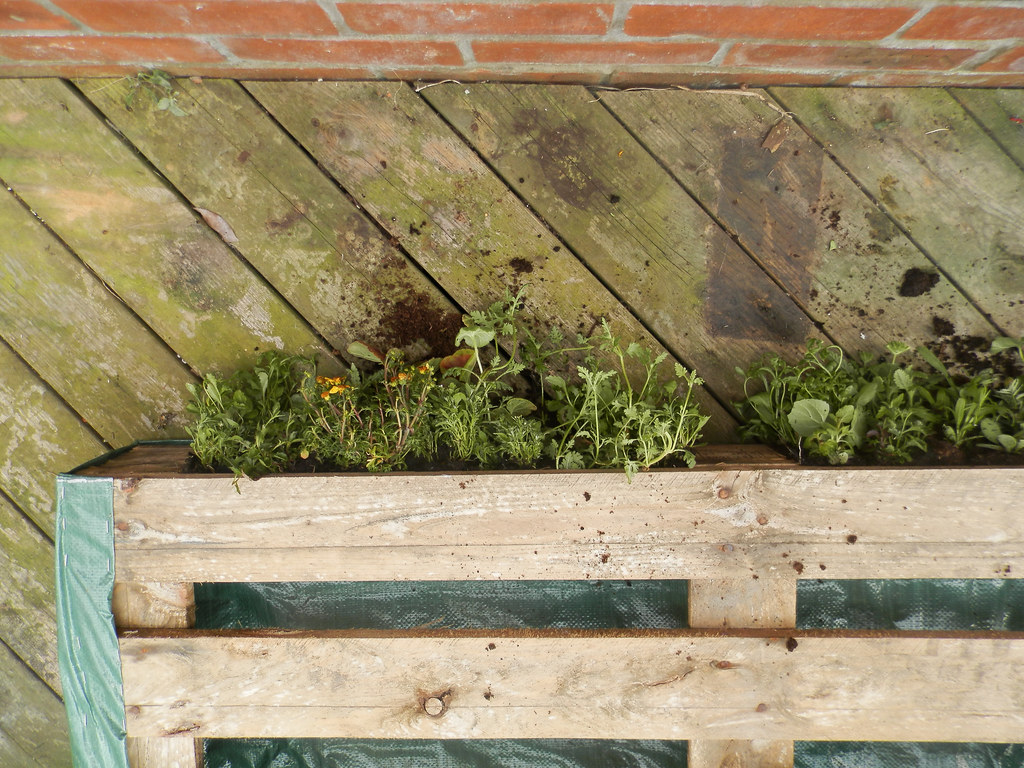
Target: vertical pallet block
point(741, 684)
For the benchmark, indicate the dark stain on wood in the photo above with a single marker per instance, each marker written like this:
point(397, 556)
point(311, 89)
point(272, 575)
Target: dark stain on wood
point(779, 204)
point(917, 282)
point(741, 303)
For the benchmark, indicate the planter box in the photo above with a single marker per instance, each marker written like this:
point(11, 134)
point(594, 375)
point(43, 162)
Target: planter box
point(743, 526)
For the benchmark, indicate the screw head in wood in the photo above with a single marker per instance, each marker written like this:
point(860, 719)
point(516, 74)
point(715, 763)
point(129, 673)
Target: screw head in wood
point(434, 706)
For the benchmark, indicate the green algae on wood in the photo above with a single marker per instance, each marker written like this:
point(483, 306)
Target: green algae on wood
point(631, 223)
point(122, 378)
point(1001, 113)
point(934, 170)
point(33, 716)
point(400, 161)
point(39, 438)
point(136, 234)
point(28, 618)
point(798, 213)
point(292, 223)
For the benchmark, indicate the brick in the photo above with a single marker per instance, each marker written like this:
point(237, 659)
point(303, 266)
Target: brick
point(843, 57)
point(347, 52)
point(804, 22)
point(217, 17)
point(573, 77)
point(718, 78)
point(24, 15)
point(929, 79)
point(949, 22)
point(1010, 61)
point(595, 53)
point(477, 18)
point(140, 51)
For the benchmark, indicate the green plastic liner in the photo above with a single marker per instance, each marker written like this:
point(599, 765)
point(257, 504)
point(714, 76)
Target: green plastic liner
point(90, 666)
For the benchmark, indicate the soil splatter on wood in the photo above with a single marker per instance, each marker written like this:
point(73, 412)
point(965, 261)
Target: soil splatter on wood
point(917, 282)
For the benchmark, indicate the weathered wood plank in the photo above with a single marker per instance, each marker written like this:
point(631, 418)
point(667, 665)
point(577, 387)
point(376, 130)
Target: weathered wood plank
point(154, 604)
point(122, 378)
point(28, 620)
point(408, 169)
point(814, 523)
point(999, 112)
point(800, 215)
point(15, 755)
point(740, 753)
point(39, 437)
point(292, 223)
point(32, 715)
point(740, 603)
point(631, 223)
point(165, 605)
point(136, 234)
point(515, 686)
point(164, 753)
point(933, 169)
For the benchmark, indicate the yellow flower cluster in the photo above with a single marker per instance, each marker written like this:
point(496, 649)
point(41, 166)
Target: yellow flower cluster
point(407, 375)
point(332, 385)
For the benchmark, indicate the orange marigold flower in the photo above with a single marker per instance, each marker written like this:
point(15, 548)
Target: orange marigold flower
point(424, 368)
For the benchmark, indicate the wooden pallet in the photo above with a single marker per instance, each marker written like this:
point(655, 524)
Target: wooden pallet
point(741, 684)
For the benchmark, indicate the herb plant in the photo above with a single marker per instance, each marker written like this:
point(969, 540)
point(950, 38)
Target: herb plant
point(833, 408)
point(503, 397)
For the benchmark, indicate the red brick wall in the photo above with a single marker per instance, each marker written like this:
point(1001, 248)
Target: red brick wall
point(714, 42)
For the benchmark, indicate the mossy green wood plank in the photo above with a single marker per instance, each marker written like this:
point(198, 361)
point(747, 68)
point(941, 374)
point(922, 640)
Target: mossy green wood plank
point(32, 715)
point(835, 251)
point(153, 250)
point(292, 222)
point(28, 620)
point(937, 173)
point(85, 343)
point(14, 755)
point(1000, 112)
point(39, 437)
point(400, 161)
point(631, 223)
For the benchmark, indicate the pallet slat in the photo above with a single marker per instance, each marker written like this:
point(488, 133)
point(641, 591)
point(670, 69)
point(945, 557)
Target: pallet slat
point(804, 523)
point(787, 686)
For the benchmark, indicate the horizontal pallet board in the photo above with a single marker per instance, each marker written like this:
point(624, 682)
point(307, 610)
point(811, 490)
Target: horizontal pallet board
point(783, 685)
point(708, 523)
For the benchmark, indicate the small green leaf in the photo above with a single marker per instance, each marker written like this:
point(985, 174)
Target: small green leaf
point(475, 337)
point(808, 416)
point(903, 379)
point(867, 392)
point(1008, 442)
point(517, 406)
point(363, 352)
point(991, 430)
point(897, 348)
point(1003, 343)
